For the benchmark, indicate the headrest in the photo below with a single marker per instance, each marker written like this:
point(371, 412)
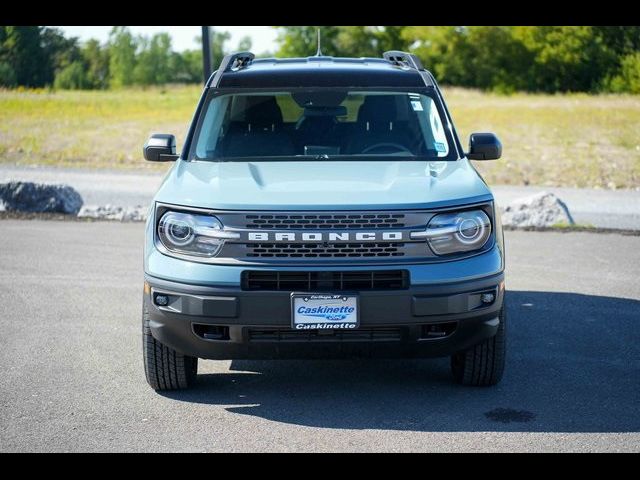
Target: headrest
point(258, 110)
point(383, 109)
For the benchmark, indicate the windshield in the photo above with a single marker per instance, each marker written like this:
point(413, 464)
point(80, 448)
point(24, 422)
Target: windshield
point(322, 124)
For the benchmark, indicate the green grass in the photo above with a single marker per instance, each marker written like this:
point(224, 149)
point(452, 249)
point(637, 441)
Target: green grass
point(549, 140)
point(90, 128)
point(575, 140)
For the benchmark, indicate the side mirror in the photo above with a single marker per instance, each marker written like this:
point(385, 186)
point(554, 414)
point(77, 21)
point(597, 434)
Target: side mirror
point(160, 147)
point(484, 146)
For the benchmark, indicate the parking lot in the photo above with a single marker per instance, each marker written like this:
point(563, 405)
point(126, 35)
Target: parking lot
point(72, 377)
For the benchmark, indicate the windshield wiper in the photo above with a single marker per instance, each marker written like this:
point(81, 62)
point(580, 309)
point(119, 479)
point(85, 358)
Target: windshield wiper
point(279, 158)
point(324, 157)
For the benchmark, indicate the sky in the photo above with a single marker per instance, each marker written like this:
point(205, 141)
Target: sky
point(183, 37)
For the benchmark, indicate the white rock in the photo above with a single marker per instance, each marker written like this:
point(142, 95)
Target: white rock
point(113, 212)
point(543, 209)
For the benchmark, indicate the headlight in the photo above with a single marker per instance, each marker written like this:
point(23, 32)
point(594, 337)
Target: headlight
point(458, 232)
point(190, 234)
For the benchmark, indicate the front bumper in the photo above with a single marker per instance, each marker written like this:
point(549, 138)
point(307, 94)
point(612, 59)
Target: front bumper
point(229, 323)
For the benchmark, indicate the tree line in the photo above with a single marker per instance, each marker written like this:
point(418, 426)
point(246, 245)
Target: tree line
point(503, 58)
point(34, 56)
point(498, 58)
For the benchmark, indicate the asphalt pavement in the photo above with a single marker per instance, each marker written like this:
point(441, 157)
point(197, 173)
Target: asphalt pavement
point(72, 376)
point(599, 208)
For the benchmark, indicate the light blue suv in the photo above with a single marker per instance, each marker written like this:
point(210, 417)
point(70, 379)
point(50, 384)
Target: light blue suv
point(323, 207)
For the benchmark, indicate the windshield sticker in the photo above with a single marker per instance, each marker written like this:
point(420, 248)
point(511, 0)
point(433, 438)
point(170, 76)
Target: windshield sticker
point(440, 147)
point(417, 106)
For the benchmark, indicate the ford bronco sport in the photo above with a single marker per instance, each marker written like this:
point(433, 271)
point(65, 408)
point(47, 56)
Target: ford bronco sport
point(322, 207)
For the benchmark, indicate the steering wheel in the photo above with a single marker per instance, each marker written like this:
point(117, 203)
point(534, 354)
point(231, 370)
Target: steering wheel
point(378, 146)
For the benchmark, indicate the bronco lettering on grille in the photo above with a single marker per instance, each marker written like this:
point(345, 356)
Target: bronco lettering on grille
point(334, 237)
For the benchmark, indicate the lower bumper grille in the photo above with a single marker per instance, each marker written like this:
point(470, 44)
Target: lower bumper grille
point(389, 334)
point(325, 281)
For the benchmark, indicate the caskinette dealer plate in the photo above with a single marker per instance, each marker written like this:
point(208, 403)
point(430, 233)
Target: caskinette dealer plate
point(319, 311)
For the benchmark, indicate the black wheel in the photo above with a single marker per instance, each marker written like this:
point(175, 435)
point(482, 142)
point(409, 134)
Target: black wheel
point(165, 368)
point(482, 364)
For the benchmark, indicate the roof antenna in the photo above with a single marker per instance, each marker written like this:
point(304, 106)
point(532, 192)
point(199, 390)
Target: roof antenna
point(319, 52)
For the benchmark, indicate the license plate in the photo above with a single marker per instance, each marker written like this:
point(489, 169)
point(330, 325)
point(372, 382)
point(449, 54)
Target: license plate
point(323, 311)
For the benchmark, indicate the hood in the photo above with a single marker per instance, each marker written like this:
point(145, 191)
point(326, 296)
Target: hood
point(319, 185)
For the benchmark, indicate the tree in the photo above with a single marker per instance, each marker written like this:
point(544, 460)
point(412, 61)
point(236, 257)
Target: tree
point(96, 61)
point(624, 45)
point(303, 41)
point(628, 78)
point(153, 61)
point(534, 58)
point(72, 77)
point(439, 48)
point(186, 67)
point(621, 40)
point(33, 55)
point(503, 58)
point(22, 52)
point(391, 38)
point(59, 52)
point(494, 59)
point(122, 57)
point(565, 58)
point(344, 41)
point(475, 56)
point(7, 75)
point(358, 41)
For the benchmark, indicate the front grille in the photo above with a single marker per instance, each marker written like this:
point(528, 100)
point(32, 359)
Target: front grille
point(328, 221)
point(380, 334)
point(325, 281)
point(317, 250)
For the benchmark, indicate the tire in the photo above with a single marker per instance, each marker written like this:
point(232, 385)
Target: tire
point(482, 365)
point(165, 368)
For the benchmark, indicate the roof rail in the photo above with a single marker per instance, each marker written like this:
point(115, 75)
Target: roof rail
point(231, 62)
point(403, 58)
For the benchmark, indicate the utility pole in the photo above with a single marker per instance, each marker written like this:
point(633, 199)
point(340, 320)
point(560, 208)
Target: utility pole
point(206, 53)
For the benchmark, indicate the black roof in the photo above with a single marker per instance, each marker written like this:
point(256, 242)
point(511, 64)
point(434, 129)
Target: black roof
point(245, 71)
